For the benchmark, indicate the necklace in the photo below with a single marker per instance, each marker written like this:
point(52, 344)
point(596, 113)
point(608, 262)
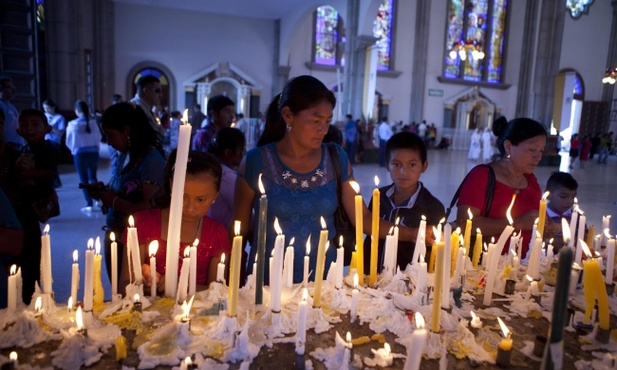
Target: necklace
point(517, 187)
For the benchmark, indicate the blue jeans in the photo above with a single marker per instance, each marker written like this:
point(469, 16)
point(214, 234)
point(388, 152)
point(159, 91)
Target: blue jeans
point(86, 164)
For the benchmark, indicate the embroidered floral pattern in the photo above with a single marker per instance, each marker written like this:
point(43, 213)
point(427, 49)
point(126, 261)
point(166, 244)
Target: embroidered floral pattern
point(304, 183)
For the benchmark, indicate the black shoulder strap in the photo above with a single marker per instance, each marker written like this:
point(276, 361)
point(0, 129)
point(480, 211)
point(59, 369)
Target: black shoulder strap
point(337, 168)
point(488, 195)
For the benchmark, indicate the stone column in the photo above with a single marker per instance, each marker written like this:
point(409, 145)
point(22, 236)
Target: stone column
point(611, 59)
point(351, 70)
point(356, 84)
point(418, 73)
point(104, 53)
point(525, 87)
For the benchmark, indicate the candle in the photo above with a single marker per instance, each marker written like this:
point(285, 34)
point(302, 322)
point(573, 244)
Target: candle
point(354, 299)
point(460, 267)
point(234, 275)
point(262, 223)
point(431, 261)
point(175, 209)
point(594, 287)
point(89, 272)
point(475, 321)
point(610, 258)
point(277, 269)
point(533, 268)
point(220, 270)
point(288, 268)
point(389, 261)
point(46, 260)
point(560, 309)
point(542, 214)
point(582, 219)
point(515, 260)
point(152, 249)
point(515, 238)
point(347, 356)
point(184, 276)
point(506, 343)
point(590, 236)
point(422, 275)
point(340, 262)
point(99, 293)
point(447, 263)
point(439, 268)
point(573, 223)
point(359, 210)
point(384, 355)
point(477, 249)
point(307, 259)
point(74, 276)
point(605, 225)
point(420, 240)
point(374, 234)
point(133, 246)
point(419, 337)
point(114, 266)
point(12, 290)
point(493, 260)
point(79, 319)
point(321, 259)
point(467, 235)
point(13, 359)
point(454, 244)
point(301, 332)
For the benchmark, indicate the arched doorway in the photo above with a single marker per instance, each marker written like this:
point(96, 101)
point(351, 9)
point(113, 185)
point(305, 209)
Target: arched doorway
point(567, 104)
point(159, 71)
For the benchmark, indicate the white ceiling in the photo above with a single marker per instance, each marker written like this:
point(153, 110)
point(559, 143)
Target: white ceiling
point(264, 9)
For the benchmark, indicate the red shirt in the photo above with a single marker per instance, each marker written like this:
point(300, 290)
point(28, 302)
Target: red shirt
point(213, 241)
point(528, 199)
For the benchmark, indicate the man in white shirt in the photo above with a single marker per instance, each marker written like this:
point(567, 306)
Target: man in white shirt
point(148, 96)
point(385, 133)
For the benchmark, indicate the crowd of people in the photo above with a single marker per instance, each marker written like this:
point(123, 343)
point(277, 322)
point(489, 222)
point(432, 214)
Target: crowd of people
point(305, 178)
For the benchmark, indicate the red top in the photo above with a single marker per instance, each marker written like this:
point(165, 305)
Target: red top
point(528, 199)
point(213, 241)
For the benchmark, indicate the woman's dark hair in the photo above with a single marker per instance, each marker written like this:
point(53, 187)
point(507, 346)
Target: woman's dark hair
point(142, 138)
point(226, 138)
point(82, 107)
point(50, 103)
point(300, 93)
point(198, 163)
point(517, 131)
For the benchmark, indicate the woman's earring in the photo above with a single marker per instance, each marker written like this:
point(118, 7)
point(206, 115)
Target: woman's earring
point(508, 157)
point(288, 128)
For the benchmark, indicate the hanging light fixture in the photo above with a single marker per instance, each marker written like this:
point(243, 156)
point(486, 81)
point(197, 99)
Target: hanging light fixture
point(610, 76)
point(463, 49)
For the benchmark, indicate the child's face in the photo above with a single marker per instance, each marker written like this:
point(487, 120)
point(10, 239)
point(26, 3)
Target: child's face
point(405, 167)
point(561, 199)
point(33, 129)
point(199, 194)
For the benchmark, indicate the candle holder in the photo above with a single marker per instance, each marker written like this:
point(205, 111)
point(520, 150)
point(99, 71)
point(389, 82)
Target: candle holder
point(510, 285)
point(539, 345)
point(503, 357)
point(603, 336)
point(610, 289)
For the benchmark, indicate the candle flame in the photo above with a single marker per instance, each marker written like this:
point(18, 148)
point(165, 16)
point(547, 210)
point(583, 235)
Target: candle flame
point(443, 219)
point(196, 243)
point(473, 315)
point(112, 236)
point(153, 248)
point(277, 227)
point(355, 280)
point(437, 235)
point(188, 362)
point(606, 233)
point(327, 245)
point(46, 229)
point(136, 298)
point(485, 248)
point(304, 295)
point(185, 117)
point(504, 329)
point(355, 186)
point(293, 239)
point(308, 245)
point(187, 252)
point(536, 221)
point(340, 241)
point(376, 181)
point(69, 305)
point(79, 318)
point(469, 213)
point(387, 348)
point(97, 246)
point(261, 186)
point(186, 307)
point(565, 230)
point(550, 241)
point(398, 220)
point(90, 243)
point(38, 304)
point(323, 223)
point(478, 231)
point(423, 218)
point(223, 258)
point(545, 195)
point(457, 230)
point(131, 221)
point(419, 320)
point(13, 269)
point(75, 255)
point(585, 248)
point(348, 337)
point(529, 278)
point(492, 240)
point(237, 227)
point(509, 211)
point(538, 235)
point(13, 356)
point(391, 231)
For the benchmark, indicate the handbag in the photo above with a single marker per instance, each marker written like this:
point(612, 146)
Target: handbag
point(47, 207)
point(343, 224)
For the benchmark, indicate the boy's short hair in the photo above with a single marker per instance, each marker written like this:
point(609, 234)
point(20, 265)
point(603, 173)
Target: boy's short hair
point(406, 140)
point(218, 102)
point(561, 180)
point(33, 112)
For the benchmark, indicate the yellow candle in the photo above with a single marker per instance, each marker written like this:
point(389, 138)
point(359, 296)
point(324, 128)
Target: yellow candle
point(506, 342)
point(542, 214)
point(431, 261)
point(375, 234)
point(121, 352)
point(467, 235)
point(359, 208)
point(436, 308)
point(99, 292)
point(234, 275)
point(590, 235)
point(454, 243)
point(593, 285)
point(321, 260)
point(352, 264)
point(477, 249)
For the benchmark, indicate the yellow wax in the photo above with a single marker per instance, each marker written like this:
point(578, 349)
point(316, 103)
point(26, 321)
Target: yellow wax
point(99, 293)
point(590, 235)
point(505, 344)
point(360, 340)
point(121, 353)
point(431, 261)
point(593, 286)
point(359, 208)
point(453, 251)
point(467, 235)
point(542, 217)
point(375, 237)
point(319, 268)
point(477, 251)
point(436, 308)
point(234, 276)
point(352, 264)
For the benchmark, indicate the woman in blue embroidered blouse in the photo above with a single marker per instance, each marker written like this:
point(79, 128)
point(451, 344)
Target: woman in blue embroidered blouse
point(297, 174)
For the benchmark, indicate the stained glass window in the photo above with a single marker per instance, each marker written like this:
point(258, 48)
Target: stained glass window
point(476, 30)
point(329, 36)
point(382, 30)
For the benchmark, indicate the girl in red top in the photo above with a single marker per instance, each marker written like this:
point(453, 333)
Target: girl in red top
point(575, 145)
point(201, 187)
point(521, 143)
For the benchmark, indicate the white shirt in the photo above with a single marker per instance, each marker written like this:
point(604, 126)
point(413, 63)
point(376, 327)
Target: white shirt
point(385, 131)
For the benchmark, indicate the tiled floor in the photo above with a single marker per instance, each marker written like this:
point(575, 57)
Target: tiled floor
point(597, 196)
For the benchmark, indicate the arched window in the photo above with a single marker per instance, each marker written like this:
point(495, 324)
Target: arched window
point(329, 37)
point(474, 48)
point(382, 30)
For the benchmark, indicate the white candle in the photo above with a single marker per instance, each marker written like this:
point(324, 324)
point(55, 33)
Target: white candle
point(475, 321)
point(573, 224)
point(301, 332)
point(354, 299)
point(422, 275)
point(340, 261)
point(114, 265)
point(277, 269)
point(184, 276)
point(416, 348)
point(307, 259)
point(515, 261)
point(492, 264)
point(460, 267)
point(347, 355)
point(75, 277)
point(420, 248)
point(89, 272)
point(12, 290)
point(582, 219)
point(152, 249)
point(175, 211)
point(514, 242)
point(193, 268)
point(133, 245)
point(288, 268)
point(605, 225)
point(574, 276)
point(388, 266)
point(445, 292)
point(533, 268)
point(46, 260)
point(220, 270)
point(610, 259)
